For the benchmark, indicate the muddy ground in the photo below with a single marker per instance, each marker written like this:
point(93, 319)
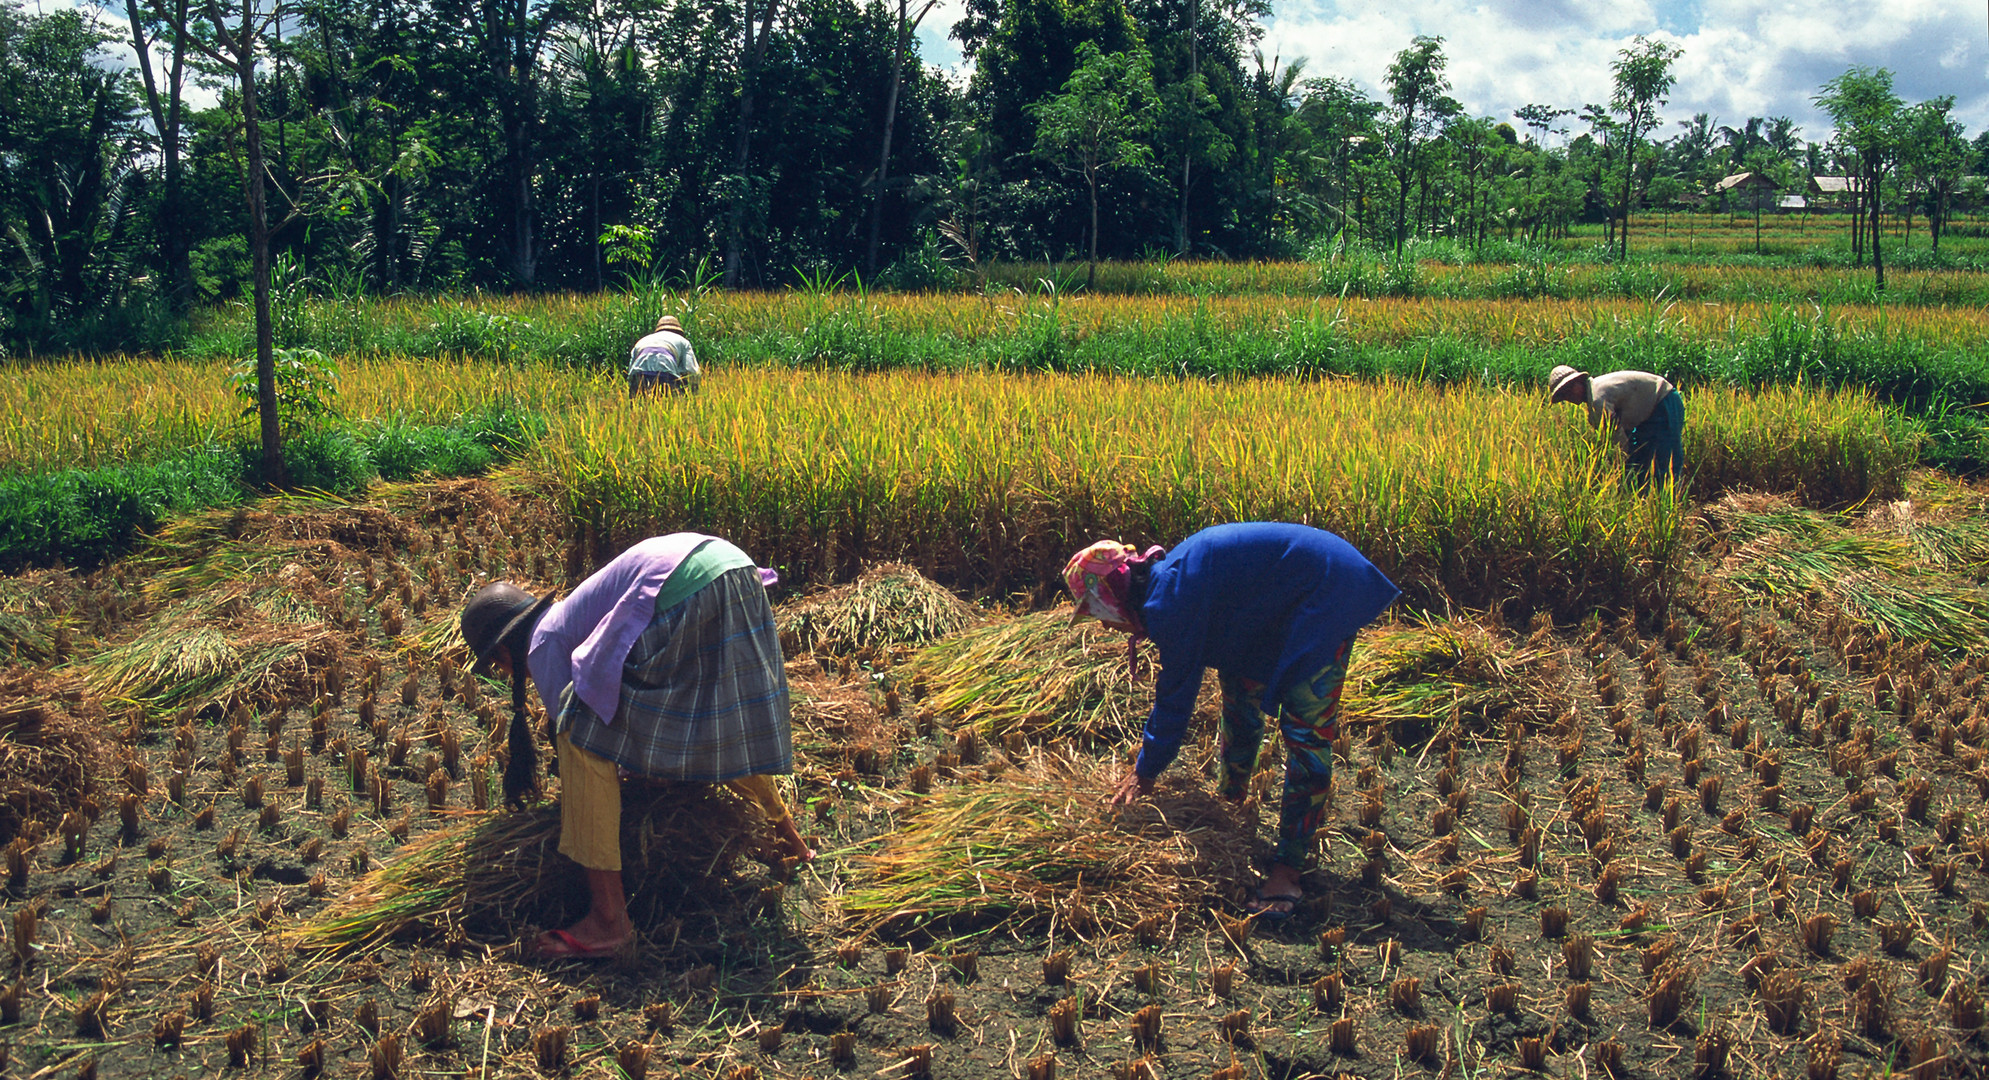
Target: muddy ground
point(1749, 842)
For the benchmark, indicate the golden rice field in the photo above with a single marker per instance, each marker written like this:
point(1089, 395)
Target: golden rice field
point(1476, 494)
point(69, 415)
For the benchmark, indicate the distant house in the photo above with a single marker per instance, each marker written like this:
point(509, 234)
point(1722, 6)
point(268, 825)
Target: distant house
point(1745, 183)
point(1834, 186)
point(1834, 192)
point(1791, 204)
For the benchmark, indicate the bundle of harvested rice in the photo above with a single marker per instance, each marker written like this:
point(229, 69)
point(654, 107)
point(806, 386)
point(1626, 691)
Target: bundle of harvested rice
point(1416, 677)
point(190, 660)
point(34, 610)
point(1035, 674)
point(197, 554)
point(51, 749)
point(1877, 576)
point(1038, 848)
point(889, 607)
point(497, 872)
point(1945, 521)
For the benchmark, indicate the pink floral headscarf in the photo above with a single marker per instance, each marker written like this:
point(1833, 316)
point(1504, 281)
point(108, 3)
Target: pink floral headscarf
point(1097, 577)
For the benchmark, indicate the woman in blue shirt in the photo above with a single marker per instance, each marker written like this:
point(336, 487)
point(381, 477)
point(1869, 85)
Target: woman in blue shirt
point(1274, 608)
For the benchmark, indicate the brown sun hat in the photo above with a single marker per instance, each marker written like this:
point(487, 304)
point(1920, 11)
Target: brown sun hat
point(668, 322)
point(494, 614)
point(1561, 376)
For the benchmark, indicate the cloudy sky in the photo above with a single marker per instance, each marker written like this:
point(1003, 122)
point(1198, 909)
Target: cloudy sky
point(1742, 57)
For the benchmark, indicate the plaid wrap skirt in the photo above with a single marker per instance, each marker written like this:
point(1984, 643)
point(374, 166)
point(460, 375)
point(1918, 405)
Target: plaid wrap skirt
point(704, 693)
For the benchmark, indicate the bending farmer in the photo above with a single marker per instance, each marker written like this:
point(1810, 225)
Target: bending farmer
point(1274, 609)
point(663, 358)
point(665, 663)
point(1646, 410)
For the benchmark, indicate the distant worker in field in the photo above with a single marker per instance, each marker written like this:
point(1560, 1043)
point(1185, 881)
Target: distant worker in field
point(664, 664)
point(1274, 609)
point(663, 358)
point(1646, 410)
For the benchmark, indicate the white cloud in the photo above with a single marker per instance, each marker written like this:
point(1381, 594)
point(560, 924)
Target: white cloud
point(1741, 57)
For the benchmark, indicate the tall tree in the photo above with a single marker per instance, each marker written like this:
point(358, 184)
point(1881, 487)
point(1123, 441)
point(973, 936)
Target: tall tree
point(907, 23)
point(1934, 154)
point(167, 18)
point(1418, 90)
point(1866, 111)
point(758, 27)
point(237, 46)
point(67, 147)
point(1096, 123)
point(1643, 85)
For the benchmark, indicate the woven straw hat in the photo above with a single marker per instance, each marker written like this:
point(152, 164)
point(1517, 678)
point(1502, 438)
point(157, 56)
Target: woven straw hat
point(669, 322)
point(1561, 376)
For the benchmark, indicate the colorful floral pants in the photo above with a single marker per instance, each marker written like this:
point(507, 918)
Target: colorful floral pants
point(1309, 720)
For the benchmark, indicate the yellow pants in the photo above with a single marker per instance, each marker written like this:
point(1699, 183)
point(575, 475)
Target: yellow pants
point(590, 806)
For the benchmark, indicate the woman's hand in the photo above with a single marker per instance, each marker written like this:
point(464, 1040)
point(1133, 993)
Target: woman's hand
point(1132, 788)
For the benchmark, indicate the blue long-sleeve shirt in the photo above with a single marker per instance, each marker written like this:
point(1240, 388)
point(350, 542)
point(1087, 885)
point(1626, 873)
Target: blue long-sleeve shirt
point(1265, 601)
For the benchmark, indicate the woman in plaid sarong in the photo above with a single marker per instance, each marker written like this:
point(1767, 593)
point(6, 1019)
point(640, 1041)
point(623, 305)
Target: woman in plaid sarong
point(664, 663)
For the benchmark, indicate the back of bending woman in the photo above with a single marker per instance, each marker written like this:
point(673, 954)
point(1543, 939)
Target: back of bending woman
point(1274, 609)
point(664, 664)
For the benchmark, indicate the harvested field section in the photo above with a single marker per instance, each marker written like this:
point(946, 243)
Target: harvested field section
point(1745, 830)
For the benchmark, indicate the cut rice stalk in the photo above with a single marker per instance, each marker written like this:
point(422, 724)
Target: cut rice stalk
point(1039, 846)
point(1038, 675)
point(498, 871)
point(890, 606)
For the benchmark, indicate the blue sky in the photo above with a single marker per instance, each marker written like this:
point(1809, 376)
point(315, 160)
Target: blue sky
point(1742, 57)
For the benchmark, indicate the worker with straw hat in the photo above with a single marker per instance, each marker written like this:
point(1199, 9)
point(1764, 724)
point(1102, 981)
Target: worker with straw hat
point(663, 358)
point(1644, 410)
point(664, 664)
point(1274, 609)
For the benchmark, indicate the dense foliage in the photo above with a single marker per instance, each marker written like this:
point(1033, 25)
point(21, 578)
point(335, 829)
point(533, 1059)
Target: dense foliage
point(434, 145)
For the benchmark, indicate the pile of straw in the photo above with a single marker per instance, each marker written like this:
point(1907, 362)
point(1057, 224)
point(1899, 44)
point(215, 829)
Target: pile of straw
point(1038, 675)
point(1039, 849)
point(51, 748)
point(1417, 677)
point(891, 606)
point(34, 608)
point(192, 658)
point(496, 872)
point(1879, 576)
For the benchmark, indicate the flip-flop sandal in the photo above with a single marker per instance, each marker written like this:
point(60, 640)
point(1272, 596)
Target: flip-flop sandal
point(1271, 914)
point(573, 949)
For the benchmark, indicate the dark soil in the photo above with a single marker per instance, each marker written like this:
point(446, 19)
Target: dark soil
point(166, 949)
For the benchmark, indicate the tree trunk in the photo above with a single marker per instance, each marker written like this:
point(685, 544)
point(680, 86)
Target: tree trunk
point(752, 49)
point(1878, 258)
point(1629, 180)
point(1187, 145)
point(905, 26)
point(174, 252)
point(269, 422)
point(1091, 274)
